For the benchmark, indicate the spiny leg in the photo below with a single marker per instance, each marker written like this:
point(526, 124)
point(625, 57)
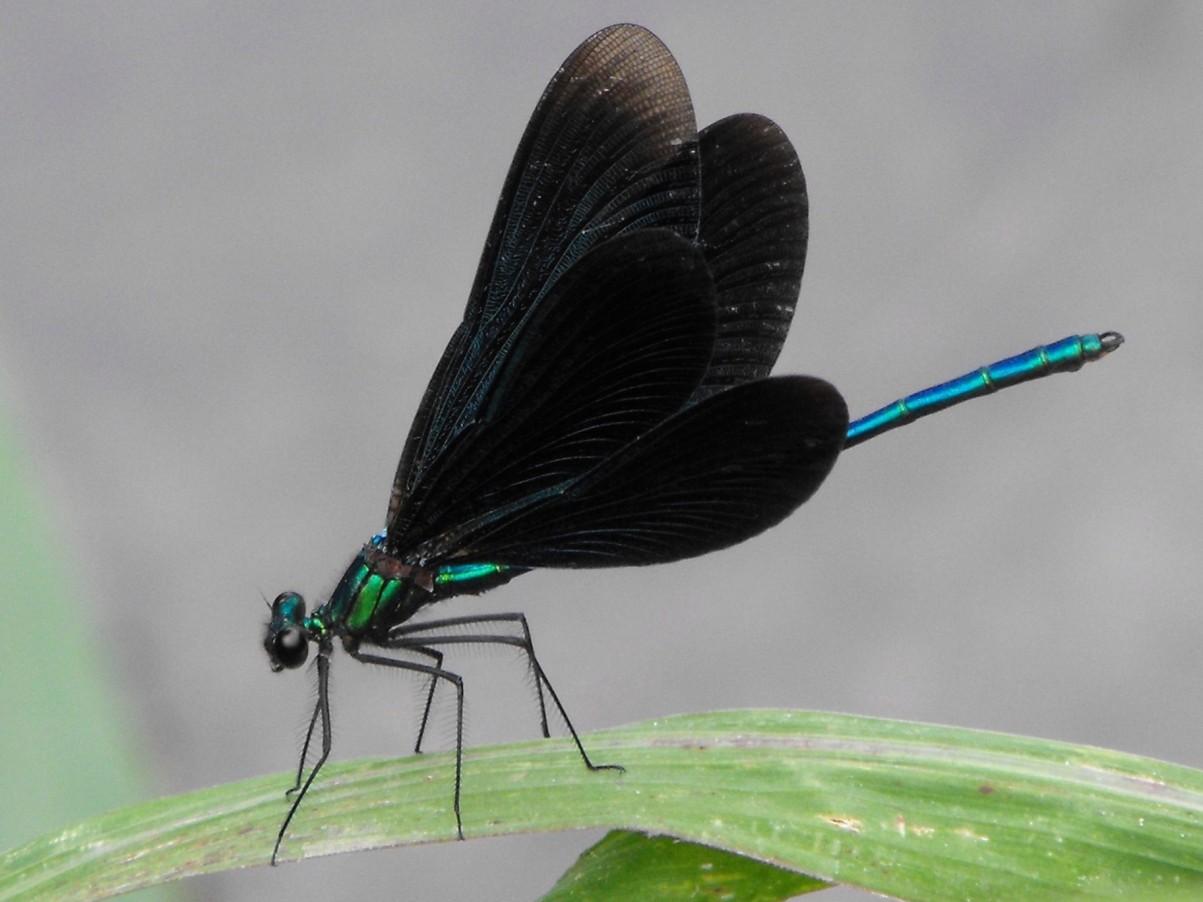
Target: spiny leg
point(437, 657)
point(435, 673)
point(323, 708)
point(317, 709)
point(401, 636)
point(415, 636)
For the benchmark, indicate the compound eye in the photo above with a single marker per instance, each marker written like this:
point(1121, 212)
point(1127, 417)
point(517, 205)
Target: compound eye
point(290, 647)
point(289, 607)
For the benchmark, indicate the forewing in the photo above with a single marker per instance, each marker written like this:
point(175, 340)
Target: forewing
point(715, 474)
point(611, 147)
point(618, 345)
point(753, 233)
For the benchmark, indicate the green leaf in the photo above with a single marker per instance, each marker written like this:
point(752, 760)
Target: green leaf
point(626, 865)
point(908, 810)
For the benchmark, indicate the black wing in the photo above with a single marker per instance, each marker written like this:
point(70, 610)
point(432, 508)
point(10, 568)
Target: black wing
point(753, 234)
point(582, 414)
point(617, 346)
point(610, 148)
point(713, 475)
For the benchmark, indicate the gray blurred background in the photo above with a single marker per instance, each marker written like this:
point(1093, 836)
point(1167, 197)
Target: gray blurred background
point(237, 237)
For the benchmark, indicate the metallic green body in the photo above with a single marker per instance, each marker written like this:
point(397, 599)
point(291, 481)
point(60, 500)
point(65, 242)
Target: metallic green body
point(379, 592)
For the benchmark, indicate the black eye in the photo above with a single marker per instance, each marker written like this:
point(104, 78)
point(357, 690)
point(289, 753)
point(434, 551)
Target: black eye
point(290, 648)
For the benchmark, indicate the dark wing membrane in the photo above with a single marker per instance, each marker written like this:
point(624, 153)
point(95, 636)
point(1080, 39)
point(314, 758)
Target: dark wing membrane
point(617, 346)
point(711, 476)
point(753, 233)
point(611, 147)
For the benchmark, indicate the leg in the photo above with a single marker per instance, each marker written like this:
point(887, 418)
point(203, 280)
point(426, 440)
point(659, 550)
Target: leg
point(435, 673)
point(418, 636)
point(402, 636)
point(437, 657)
point(317, 709)
point(323, 708)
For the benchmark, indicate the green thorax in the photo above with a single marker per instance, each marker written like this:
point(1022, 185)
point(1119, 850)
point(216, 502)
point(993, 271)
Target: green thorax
point(379, 591)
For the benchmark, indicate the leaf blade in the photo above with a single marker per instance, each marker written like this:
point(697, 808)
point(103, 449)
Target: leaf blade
point(909, 810)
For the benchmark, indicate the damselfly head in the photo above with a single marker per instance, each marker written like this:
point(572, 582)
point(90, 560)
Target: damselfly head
point(287, 640)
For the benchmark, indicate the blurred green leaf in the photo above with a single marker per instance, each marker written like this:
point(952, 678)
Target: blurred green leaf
point(908, 810)
point(65, 747)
